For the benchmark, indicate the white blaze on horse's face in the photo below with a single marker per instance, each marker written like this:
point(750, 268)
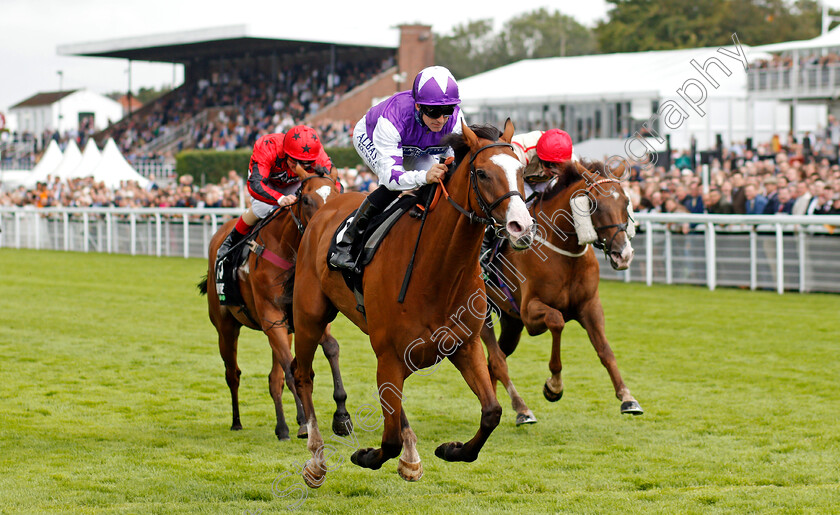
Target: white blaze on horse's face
point(519, 224)
point(324, 192)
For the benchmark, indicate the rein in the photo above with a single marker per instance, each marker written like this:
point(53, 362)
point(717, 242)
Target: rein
point(604, 244)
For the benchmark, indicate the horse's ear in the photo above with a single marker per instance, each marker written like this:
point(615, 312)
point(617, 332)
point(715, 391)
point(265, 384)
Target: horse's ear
point(300, 172)
point(508, 134)
point(469, 136)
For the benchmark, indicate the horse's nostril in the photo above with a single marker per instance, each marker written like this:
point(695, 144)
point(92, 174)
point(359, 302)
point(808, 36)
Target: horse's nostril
point(514, 227)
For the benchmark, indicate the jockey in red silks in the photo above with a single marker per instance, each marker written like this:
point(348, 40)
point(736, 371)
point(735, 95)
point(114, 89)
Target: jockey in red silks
point(399, 139)
point(272, 180)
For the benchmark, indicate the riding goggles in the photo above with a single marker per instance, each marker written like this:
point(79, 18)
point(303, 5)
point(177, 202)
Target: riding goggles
point(435, 112)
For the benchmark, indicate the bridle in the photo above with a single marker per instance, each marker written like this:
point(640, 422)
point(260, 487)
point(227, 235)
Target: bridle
point(604, 244)
point(297, 218)
point(483, 205)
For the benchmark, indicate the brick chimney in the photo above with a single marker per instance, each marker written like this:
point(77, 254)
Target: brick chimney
point(417, 51)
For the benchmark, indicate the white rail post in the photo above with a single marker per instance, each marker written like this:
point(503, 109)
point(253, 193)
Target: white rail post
point(780, 260)
point(66, 219)
point(36, 218)
point(649, 253)
point(132, 221)
point(108, 229)
point(669, 263)
point(802, 267)
point(753, 258)
point(711, 253)
point(17, 229)
point(158, 234)
point(85, 231)
point(186, 235)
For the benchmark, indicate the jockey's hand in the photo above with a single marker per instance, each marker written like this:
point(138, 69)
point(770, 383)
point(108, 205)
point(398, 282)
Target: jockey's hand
point(286, 200)
point(436, 173)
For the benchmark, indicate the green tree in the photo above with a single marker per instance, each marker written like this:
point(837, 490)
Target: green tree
point(474, 47)
point(639, 25)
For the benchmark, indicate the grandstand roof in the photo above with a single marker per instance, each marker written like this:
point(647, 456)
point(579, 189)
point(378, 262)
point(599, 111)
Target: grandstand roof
point(184, 46)
point(44, 99)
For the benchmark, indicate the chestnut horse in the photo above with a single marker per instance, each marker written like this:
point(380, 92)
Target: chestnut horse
point(557, 279)
point(484, 185)
point(261, 285)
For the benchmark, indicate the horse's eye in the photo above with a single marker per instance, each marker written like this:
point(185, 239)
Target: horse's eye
point(481, 174)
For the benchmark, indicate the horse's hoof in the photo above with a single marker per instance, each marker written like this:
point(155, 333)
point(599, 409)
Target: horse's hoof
point(631, 407)
point(410, 471)
point(451, 451)
point(313, 477)
point(283, 437)
point(551, 396)
point(525, 418)
point(302, 432)
point(342, 424)
point(357, 459)
point(236, 427)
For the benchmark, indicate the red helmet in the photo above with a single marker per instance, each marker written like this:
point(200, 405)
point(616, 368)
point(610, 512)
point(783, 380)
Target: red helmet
point(302, 143)
point(555, 146)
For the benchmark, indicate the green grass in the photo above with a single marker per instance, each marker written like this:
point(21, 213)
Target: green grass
point(113, 400)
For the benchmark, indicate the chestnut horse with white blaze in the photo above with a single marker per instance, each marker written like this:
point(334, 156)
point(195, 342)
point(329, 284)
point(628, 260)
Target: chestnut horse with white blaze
point(261, 285)
point(557, 279)
point(484, 185)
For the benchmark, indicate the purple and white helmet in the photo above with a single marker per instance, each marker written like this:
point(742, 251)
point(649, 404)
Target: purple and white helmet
point(435, 86)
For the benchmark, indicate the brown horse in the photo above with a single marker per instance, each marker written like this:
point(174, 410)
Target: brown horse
point(433, 322)
point(557, 279)
point(261, 285)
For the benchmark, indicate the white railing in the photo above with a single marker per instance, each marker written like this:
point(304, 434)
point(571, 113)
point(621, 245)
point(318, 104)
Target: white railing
point(720, 250)
point(157, 232)
point(736, 250)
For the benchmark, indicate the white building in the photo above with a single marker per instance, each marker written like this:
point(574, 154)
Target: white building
point(696, 93)
point(65, 111)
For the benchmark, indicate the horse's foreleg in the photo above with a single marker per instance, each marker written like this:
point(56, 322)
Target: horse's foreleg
point(541, 314)
point(469, 360)
point(228, 330)
point(308, 333)
point(281, 354)
point(592, 320)
point(342, 424)
point(497, 362)
point(390, 373)
point(410, 468)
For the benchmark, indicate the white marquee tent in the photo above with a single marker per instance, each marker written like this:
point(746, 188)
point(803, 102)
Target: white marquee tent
point(113, 168)
point(49, 161)
point(90, 158)
point(71, 159)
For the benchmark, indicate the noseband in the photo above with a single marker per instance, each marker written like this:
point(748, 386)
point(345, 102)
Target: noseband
point(604, 244)
point(296, 218)
point(486, 207)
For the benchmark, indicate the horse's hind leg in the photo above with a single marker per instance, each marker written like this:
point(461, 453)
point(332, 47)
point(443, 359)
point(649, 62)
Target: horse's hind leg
point(497, 362)
point(469, 360)
point(342, 424)
point(228, 329)
point(410, 468)
point(592, 319)
point(390, 373)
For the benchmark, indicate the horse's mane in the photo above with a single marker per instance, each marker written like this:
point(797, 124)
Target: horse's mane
point(569, 173)
point(456, 140)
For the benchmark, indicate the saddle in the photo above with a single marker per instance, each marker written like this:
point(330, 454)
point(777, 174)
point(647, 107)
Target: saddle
point(227, 276)
point(365, 247)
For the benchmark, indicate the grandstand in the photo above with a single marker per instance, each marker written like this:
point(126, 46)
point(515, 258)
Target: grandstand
point(239, 85)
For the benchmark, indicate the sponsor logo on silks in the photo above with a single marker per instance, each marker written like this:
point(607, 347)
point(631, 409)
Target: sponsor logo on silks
point(409, 151)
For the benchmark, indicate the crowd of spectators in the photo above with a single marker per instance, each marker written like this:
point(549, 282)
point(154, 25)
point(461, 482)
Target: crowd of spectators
point(797, 177)
point(791, 177)
point(250, 104)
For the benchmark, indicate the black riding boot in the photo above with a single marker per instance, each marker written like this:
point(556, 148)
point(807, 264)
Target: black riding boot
point(232, 239)
point(342, 257)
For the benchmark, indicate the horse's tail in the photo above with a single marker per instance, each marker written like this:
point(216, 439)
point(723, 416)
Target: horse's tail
point(288, 294)
point(202, 286)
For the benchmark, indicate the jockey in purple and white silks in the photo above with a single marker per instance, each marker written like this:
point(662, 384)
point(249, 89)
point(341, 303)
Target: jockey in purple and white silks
point(399, 139)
